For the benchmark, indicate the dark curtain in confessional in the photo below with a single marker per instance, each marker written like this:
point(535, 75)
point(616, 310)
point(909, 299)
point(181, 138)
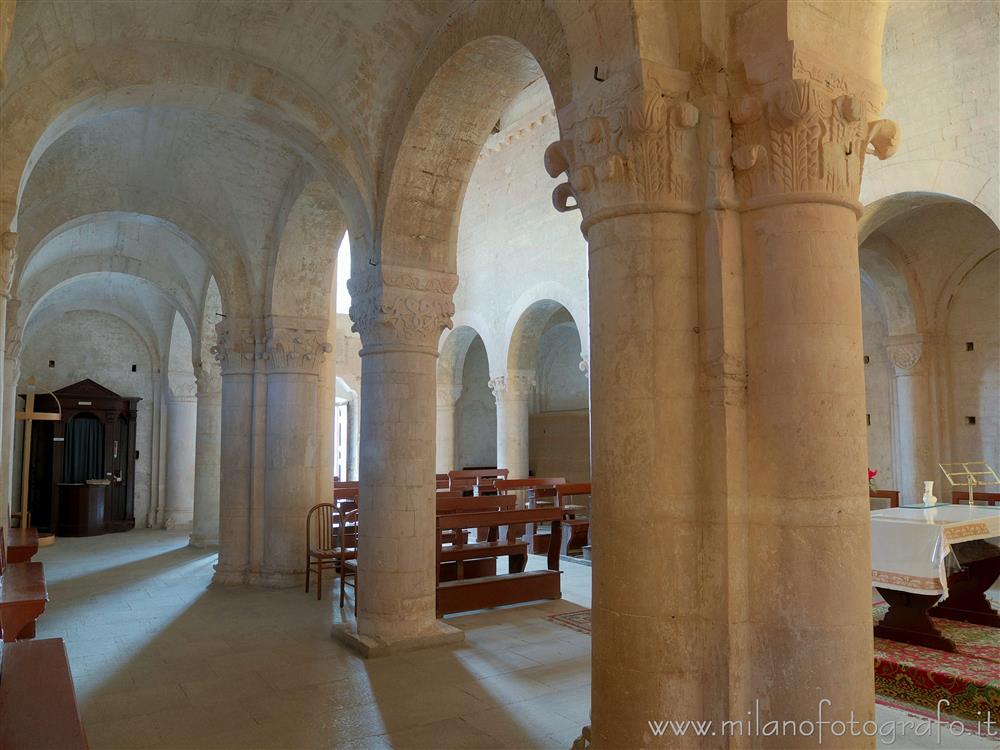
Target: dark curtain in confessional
point(83, 456)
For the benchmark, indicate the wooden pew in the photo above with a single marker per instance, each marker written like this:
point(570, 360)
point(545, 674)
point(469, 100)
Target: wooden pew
point(22, 595)
point(891, 495)
point(497, 590)
point(962, 496)
point(576, 518)
point(442, 482)
point(525, 490)
point(22, 544)
point(464, 560)
point(38, 709)
point(478, 481)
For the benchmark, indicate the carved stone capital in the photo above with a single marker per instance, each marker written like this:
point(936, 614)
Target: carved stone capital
point(805, 138)
point(12, 343)
point(236, 350)
point(206, 375)
point(448, 396)
point(295, 345)
point(8, 262)
point(513, 385)
point(393, 307)
point(905, 352)
point(637, 153)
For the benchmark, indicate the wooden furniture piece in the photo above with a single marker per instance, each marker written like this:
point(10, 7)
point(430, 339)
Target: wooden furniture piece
point(321, 547)
point(962, 496)
point(478, 481)
point(347, 553)
point(464, 560)
point(110, 421)
point(348, 492)
point(441, 481)
point(38, 708)
point(493, 591)
point(891, 495)
point(81, 509)
point(23, 595)
point(576, 517)
point(22, 544)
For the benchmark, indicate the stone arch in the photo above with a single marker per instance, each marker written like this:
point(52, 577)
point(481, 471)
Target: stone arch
point(454, 348)
point(105, 78)
point(61, 211)
point(301, 269)
point(529, 310)
point(522, 350)
point(476, 65)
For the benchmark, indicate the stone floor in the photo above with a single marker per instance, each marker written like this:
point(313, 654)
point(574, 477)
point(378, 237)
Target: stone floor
point(161, 659)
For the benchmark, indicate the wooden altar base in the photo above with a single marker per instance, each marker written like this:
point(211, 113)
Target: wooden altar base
point(907, 620)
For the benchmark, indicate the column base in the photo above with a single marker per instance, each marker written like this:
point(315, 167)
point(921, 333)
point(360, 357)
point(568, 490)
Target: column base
point(373, 648)
point(229, 577)
point(277, 579)
point(200, 541)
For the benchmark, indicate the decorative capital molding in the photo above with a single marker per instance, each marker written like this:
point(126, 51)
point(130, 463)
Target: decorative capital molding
point(236, 349)
point(513, 386)
point(295, 345)
point(13, 341)
point(636, 154)
point(905, 352)
point(206, 375)
point(807, 137)
point(448, 396)
point(8, 262)
point(394, 307)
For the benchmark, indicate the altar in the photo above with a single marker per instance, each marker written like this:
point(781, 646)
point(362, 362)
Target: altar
point(934, 561)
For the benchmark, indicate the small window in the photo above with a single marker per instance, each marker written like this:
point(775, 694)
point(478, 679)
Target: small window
point(52, 363)
point(867, 359)
point(970, 346)
point(133, 368)
point(970, 420)
point(868, 419)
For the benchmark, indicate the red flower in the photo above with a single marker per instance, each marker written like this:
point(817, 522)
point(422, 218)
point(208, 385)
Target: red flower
point(872, 474)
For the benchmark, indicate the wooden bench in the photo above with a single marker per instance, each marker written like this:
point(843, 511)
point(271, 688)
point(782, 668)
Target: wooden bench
point(464, 560)
point(478, 481)
point(22, 544)
point(576, 518)
point(464, 595)
point(962, 496)
point(22, 595)
point(38, 709)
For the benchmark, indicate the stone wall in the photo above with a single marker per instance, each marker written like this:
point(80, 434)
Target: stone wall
point(476, 412)
point(879, 391)
point(103, 348)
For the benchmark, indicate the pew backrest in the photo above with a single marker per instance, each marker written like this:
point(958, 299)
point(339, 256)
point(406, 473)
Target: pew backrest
point(962, 496)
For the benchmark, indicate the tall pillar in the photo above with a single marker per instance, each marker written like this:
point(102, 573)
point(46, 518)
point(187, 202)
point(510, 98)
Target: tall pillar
point(914, 427)
point(513, 393)
point(236, 354)
point(182, 419)
point(631, 171)
point(447, 397)
point(294, 350)
point(800, 137)
point(400, 314)
point(208, 440)
point(8, 261)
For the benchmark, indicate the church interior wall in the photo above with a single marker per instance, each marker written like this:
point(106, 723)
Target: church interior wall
point(102, 347)
point(878, 390)
point(475, 412)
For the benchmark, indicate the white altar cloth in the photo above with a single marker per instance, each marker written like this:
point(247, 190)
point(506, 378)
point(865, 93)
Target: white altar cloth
point(910, 546)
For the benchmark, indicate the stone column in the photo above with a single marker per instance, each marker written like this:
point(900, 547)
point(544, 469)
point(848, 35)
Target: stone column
point(182, 419)
point(447, 397)
point(294, 350)
point(914, 427)
point(632, 171)
point(236, 355)
point(800, 138)
point(208, 442)
point(513, 393)
point(8, 260)
point(400, 314)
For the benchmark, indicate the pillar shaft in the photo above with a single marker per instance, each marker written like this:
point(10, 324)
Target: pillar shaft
point(182, 419)
point(294, 351)
point(400, 315)
point(447, 397)
point(513, 393)
point(236, 353)
point(208, 441)
point(914, 426)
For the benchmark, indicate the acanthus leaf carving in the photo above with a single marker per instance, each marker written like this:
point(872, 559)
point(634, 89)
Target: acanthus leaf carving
point(236, 347)
point(513, 385)
point(292, 345)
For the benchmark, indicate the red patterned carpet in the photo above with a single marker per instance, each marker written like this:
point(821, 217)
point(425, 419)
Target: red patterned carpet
point(916, 678)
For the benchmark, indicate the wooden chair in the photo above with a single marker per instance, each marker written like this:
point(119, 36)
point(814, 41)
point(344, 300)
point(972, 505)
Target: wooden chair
point(321, 547)
point(962, 496)
point(347, 553)
point(891, 495)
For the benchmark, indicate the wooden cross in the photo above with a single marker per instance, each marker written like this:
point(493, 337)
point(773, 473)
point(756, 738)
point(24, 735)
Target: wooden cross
point(28, 416)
